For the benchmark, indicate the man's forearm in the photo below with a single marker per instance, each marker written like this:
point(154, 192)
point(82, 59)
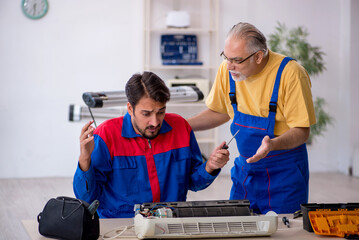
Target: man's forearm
point(84, 163)
point(291, 139)
point(207, 119)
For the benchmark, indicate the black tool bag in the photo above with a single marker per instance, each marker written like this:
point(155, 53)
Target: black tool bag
point(68, 218)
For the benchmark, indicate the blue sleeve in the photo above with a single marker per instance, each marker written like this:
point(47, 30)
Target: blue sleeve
point(200, 178)
point(88, 185)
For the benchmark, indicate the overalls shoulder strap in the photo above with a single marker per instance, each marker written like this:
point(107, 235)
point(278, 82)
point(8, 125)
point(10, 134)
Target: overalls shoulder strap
point(232, 92)
point(274, 98)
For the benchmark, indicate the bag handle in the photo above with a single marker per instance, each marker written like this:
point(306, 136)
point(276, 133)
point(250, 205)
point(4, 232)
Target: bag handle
point(63, 206)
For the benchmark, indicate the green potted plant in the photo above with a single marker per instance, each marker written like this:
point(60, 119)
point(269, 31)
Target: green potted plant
point(293, 43)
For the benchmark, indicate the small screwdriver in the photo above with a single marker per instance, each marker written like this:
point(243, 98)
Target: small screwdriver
point(225, 146)
point(286, 221)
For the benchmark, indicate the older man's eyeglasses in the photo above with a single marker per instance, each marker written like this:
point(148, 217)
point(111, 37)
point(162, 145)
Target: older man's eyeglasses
point(237, 60)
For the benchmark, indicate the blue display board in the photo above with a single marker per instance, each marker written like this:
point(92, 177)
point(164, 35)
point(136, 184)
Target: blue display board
point(179, 49)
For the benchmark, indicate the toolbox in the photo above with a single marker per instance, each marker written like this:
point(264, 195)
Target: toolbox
point(335, 219)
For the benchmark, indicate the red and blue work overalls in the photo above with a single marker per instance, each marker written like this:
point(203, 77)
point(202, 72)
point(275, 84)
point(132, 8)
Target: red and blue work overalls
point(278, 182)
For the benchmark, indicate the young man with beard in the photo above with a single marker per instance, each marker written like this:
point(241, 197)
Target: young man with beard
point(269, 100)
point(147, 155)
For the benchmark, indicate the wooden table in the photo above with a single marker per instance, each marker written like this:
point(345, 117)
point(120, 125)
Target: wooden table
point(295, 231)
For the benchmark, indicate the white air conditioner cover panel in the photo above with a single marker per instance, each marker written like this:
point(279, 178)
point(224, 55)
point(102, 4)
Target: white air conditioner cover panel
point(205, 227)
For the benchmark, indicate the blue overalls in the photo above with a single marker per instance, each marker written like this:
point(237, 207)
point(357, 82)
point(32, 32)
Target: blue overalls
point(278, 182)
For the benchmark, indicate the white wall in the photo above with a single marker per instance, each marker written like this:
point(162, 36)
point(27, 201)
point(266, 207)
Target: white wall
point(354, 86)
point(79, 46)
point(47, 64)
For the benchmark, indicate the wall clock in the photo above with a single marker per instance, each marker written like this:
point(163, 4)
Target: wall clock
point(34, 9)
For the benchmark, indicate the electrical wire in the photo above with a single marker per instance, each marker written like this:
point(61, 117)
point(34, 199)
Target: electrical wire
point(119, 232)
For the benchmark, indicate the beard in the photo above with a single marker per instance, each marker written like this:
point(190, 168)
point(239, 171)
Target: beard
point(151, 134)
point(237, 76)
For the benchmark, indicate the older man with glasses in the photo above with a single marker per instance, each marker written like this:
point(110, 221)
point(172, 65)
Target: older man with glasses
point(268, 97)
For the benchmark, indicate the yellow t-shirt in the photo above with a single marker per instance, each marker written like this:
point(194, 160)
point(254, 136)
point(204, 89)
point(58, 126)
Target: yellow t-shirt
point(294, 107)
